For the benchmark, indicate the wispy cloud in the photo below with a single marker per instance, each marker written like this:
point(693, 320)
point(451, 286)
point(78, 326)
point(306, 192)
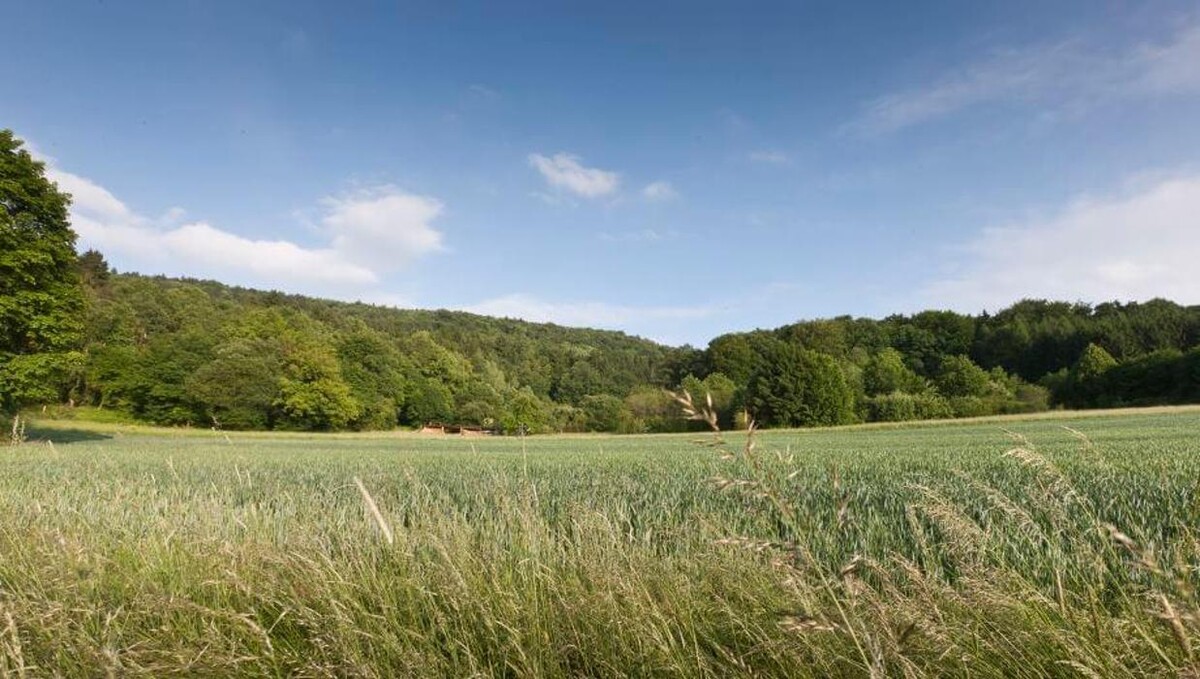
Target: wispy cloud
point(640, 236)
point(567, 172)
point(369, 232)
point(659, 191)
point(1136, 245)
point(483, 91)
point(1071, 74)
point(769, 157)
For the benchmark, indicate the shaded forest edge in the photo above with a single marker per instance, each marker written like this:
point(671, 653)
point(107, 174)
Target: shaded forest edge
point(199, 353)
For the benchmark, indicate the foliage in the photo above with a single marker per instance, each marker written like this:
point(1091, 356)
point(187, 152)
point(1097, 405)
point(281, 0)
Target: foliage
point(150, 343)
point(800, 387)
point(886, 373)
point(192, 352)
point(958, 376)
point(239, 387)
point(899, 406)
point(604, 412)
point(1092, 363)
point(652, 409)
point(724, 393)
point(40, 298)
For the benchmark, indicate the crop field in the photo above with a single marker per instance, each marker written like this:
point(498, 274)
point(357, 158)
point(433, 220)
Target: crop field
point(1051, 546)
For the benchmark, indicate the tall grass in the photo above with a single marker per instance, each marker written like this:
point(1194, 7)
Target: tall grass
point(950, 551)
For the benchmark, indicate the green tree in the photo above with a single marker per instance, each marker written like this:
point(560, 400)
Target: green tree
point(885, 372)
point(1092, 363)
point(170, 359)
point(653, 409)
point(603, 412)
point(723, 392)
point(958, 376)
point(1085, 384)
point(734, 356)
point(525, 412)
point(240, 387)
point(94, 271)
point(312, 393)
point(375, 372)
point(40, 296)
point(428, 400)
point(798, 387)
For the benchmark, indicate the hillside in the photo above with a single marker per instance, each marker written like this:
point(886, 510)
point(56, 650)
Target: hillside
point(200, 353)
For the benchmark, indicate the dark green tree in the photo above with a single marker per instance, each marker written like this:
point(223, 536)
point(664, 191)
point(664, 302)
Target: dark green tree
point(799, 387)
point(240, 387)
point(375, 372)
point(40, 296)
point(603, 412)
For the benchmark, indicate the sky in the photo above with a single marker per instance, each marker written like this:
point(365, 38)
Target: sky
point(675, 170)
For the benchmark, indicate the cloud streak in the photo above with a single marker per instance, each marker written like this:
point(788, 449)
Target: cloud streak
point(1060, 76)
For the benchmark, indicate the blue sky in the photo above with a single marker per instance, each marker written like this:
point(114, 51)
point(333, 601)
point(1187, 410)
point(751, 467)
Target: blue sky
point(676, 170)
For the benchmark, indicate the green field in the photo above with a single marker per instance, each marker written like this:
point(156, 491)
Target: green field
point(919, 550)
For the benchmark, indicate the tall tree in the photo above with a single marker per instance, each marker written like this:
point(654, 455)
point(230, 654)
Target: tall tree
point(40, 295)
point(885, 373)
point(800, 387)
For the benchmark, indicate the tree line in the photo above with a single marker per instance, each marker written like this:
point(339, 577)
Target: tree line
point(181, 352)
point(199, 353)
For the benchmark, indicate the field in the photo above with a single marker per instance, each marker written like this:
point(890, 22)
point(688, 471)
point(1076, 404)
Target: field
point(1051, 546)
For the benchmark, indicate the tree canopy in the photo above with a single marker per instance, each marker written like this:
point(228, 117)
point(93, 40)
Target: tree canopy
point(192, 352)
point(40, 294)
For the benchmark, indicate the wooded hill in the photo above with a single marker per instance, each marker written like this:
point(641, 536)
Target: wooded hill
point(199, 353)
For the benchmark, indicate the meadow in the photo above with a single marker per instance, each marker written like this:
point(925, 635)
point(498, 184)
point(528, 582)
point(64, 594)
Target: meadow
point(1059, 545)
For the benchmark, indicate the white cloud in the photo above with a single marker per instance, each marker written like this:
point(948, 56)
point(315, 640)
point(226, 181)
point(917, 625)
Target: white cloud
point(369, 232)
point(91, 198)
point(1065, 75)
point(587, 314)
point(1135, 246)
point(770, 157)
point(205, 248)
point(382, 226)
point(565, 171)
point(659, 190)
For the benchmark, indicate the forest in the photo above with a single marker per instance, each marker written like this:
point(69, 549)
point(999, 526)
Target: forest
point(199, 353)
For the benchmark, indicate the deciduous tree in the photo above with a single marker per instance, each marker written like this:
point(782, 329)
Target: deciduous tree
point(40, 296)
